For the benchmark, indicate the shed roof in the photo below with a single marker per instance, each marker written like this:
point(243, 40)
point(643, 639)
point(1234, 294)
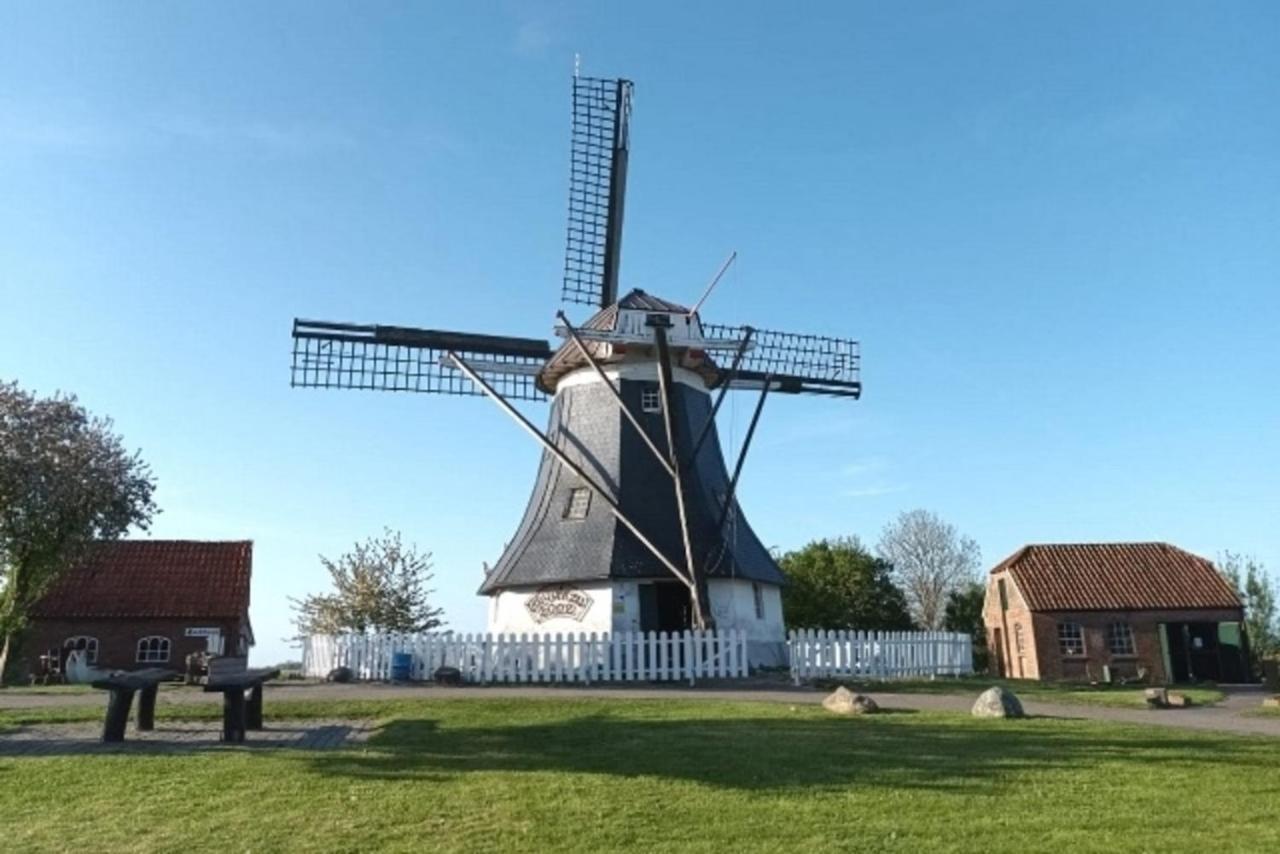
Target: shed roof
point(1116, 577)
point(154, 578)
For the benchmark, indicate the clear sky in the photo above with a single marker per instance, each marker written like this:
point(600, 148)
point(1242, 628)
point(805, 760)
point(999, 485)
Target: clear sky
point(1054, 227)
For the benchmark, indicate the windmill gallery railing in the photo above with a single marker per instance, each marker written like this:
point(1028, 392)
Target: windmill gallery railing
point(878, 655)
point(489, 658)
point(635, 656)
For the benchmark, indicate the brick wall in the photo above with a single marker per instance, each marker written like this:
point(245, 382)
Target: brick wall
point(1006, 624)
point(1146, 637)
point(118, 639)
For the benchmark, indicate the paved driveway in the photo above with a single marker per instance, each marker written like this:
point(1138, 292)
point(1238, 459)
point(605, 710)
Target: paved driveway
point(1231, 715)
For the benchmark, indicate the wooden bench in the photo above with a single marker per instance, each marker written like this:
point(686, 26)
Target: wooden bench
point(123, 685)
point(233, 677)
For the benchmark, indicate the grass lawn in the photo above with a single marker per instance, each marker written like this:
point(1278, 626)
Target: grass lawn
point(595, 775)
point(1117, 696)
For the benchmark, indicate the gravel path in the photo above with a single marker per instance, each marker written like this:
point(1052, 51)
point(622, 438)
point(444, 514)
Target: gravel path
point(1231, 715)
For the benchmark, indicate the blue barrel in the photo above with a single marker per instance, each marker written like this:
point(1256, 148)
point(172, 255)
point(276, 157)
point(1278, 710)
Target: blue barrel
point(401, 666)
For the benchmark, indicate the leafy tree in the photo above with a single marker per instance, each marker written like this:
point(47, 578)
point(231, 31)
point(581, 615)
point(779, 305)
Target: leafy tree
point(379, 586)
point(1255, 588)
point(930, 560)
point(963, 613)
point(65, 481)
point(838, 584)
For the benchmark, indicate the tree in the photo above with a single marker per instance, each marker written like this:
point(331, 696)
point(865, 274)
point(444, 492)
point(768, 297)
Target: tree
point(66, 481)
point(838, 584)
point(963, 613)
point(930, 560)
point(1254, 587)
point(379, 586)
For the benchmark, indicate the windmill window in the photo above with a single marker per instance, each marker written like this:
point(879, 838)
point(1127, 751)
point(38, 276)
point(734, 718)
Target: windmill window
point(579, 503)
point(153, 650)
point(1070, 639)
point(85, 642)
point(650, 399)
point(1120, 639)
point(758, 593)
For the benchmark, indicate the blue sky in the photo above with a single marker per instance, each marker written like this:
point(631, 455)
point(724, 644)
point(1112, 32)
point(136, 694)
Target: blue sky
point(1053, 227)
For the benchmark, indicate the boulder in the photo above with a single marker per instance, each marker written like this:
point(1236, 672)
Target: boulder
point(1157, 698)
point(997, 702)
point(1178, 701)
point(340, 674)
point(1272, 702)
point(842, 701)
point(447, 676)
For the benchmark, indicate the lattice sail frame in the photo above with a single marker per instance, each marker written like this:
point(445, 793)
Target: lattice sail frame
point(795, 362)
point(599, 144)
point(389, 358)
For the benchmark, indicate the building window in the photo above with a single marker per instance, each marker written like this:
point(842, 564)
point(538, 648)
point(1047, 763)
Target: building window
point(153, 650)
point(1070, 639)
point(1120, 639)
point(758, 592)
point(1017, 637)
point(579, 503)
point(85, 642)
point(650, 399)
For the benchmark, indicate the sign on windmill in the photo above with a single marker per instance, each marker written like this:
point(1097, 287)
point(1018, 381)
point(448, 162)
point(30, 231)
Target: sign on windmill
point(633, 506)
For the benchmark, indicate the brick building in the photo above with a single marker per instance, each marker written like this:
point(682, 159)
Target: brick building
point(147, 602)
point(1086, 612)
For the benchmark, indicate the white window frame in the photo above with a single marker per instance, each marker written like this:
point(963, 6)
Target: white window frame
point(650, 399)
point(1065, 646)
point(153, 649)
point(578, 504)
point(90, 646)
point(1131, 643)
point(757, 593)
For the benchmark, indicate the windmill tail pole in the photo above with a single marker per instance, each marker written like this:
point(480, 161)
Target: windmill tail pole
point(733, 256)
point(564, 459)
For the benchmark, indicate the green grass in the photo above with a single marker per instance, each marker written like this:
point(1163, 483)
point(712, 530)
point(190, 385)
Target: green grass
point(600, 775)
point(1116, 696)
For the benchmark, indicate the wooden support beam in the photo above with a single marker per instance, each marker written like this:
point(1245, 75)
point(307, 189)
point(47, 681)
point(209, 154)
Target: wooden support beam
point(568, 463)
point(720, 395)
point(742, 455)
point(617, 396)
point(702, 618)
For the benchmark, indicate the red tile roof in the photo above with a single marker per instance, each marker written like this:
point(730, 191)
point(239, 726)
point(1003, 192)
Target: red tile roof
point(1116, 577)
point(155, 578)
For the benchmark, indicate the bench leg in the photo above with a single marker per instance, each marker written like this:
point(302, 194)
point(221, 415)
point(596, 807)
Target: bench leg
point(117, 715)
point(233, 716)
point(147, 708)
point(253, 710)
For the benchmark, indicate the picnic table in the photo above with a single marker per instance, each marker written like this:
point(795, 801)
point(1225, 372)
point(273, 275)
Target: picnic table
point(123, 685)
point(234, 678)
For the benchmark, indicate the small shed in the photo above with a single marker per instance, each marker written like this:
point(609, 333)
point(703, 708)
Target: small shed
point(134, 603)
point(1109, 611)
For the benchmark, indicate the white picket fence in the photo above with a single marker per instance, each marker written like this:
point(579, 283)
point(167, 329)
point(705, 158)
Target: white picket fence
point(487, 658)
point(878, 655)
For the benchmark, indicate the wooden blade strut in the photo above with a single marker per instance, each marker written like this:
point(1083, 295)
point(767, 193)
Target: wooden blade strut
point(569, 464)
point(698, 592)
point(617, 396)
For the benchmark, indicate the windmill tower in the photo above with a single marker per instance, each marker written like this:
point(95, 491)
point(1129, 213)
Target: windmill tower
point(633, 522)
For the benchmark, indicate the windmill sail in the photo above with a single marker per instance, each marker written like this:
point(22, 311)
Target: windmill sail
point(597, 189)
point(793, 363)
point(402, 358)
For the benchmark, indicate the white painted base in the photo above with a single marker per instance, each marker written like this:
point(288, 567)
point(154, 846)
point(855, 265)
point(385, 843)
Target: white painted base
point(615, 607)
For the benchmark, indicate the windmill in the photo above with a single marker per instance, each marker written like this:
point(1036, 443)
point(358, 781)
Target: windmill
point(633, 521)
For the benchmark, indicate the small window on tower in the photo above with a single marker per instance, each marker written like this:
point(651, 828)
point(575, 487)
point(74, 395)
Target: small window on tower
point(650, 400)
point(579, 503)
point(757, 593)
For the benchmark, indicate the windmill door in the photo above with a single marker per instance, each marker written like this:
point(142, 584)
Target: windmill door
point(664, 607)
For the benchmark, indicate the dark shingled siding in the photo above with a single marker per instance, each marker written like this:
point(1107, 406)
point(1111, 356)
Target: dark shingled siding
point(586, 423)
